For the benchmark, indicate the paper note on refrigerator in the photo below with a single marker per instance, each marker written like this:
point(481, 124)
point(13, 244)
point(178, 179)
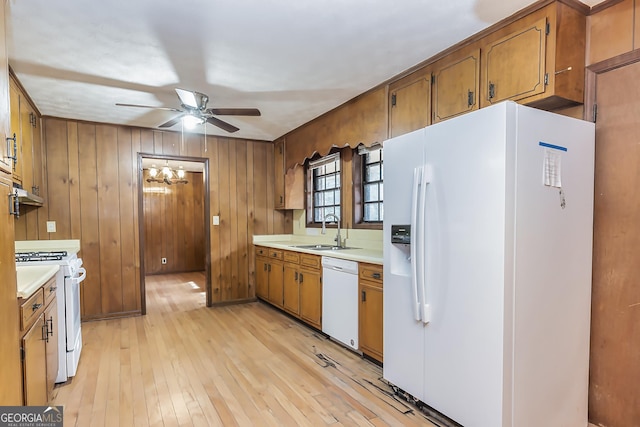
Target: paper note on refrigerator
point(552, 164)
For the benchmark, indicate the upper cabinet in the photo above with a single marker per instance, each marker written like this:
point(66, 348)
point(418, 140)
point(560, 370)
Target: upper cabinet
point(456, 82)
point(289, 184)
point(25, 123)
point(410, 103)
point(538, 60)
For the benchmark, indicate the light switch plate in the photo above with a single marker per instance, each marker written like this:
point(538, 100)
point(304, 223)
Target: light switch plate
point(51, 226)
point(216, 220)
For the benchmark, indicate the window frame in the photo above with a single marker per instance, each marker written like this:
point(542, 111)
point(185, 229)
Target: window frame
point(358, 163)
point(310, 191)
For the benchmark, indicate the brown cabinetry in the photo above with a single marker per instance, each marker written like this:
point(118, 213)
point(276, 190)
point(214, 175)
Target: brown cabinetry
point(410, 103)
point(296, 288)
point(456, 83)
point(370, 320)
point(39, 342)
point(27, 165)
point(289, 184)
point(269, 275)
point(11, 383)
point(536, 60)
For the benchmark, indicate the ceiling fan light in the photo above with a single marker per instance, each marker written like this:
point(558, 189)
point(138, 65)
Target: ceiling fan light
point(180, 173)
point(153, 171)
point(190, 121)
point(166, 171)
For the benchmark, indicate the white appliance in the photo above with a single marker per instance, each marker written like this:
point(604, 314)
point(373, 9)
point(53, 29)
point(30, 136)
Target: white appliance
point(68, 280)
point(487, 266)
point(340, 300)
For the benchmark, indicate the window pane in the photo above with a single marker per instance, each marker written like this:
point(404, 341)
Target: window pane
point(370, 212)
point(381, 191)
point(373, 173)
point(337, 211)
point(331, 181)
point(381, 211)
point(371, 193)
point(328, 198)
point(317, 216)
point(373, 156)
point(330, 168)
point(319, 199)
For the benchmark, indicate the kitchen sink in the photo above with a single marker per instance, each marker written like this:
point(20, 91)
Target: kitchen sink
point(322, 247)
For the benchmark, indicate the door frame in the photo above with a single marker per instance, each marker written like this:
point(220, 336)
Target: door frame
point(207, 225)
point(591, 76)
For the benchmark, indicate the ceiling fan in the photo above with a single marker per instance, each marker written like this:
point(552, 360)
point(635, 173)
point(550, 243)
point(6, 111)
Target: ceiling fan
point(194, 104)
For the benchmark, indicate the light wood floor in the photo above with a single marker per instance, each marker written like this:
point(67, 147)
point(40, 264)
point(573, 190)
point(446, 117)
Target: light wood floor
point(243, 365)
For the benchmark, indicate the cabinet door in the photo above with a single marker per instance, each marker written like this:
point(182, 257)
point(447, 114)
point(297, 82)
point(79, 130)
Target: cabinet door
point(34, 366)
point(14, 98)
point(262, 277)
point(410, 106)
point(456, 86)
point(10, 381)
point(291, 289)
point(515, 64)
point(276, 283)
point(5, 130)
point(278, 157)
point(370, 319)
point(27, 120)
point(311, 297)
point(51, 319)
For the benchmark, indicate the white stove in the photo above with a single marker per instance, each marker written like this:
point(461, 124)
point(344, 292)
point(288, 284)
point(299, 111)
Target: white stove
point(68, 279)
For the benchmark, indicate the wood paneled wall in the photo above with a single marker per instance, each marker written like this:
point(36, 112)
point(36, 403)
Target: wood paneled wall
point(174, 225)
point(91, 178)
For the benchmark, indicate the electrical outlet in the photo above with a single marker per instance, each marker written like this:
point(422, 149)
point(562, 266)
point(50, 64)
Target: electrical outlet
point(51, 226)
point(216, 220)
point(164, 260)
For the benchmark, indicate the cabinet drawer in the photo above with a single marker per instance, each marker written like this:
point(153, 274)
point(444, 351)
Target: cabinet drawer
point(275, 254)
point(262, 251)
point(312, 261)
point(49, 290)
point(30, 308)
point(292, 257)
point(371, 272)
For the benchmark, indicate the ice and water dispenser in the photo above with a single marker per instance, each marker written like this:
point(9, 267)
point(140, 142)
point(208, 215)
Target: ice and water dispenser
point(400, 251)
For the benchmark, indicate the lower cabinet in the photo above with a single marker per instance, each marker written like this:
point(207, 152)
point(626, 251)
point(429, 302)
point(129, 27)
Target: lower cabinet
point(291, 281)
point(269, 275)
point(370, 310)
point(39, 344)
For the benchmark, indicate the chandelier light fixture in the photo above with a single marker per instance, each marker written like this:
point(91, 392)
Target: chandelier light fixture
point(167, 175)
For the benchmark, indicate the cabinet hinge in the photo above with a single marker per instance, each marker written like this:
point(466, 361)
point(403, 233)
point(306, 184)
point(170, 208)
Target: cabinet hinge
point(546, 79)
point(492, 90)
point(547, 29)
point(595, 112)
point(470, 100)
point(393, 100)
point(22, 355)
point(320, 279)
point(433, 78)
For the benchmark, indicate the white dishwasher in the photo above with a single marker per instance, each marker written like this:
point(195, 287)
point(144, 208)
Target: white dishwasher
point(340, 300)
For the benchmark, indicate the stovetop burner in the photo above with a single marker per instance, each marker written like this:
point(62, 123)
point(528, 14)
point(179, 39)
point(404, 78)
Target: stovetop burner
point(40, 256)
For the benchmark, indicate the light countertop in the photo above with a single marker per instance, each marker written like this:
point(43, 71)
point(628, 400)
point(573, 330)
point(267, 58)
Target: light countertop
point(71, 246)
point(31, 277)
point(361, 252)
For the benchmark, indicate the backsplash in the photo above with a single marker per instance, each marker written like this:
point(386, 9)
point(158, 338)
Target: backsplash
point(361, 238)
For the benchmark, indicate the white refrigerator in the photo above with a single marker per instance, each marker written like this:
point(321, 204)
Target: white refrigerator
point(487, 266)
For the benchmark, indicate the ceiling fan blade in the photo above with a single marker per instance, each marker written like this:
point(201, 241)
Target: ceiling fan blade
point(171, 122)
point(222, 125)
point(148, 106)
point(234, 111)
point(192, 99)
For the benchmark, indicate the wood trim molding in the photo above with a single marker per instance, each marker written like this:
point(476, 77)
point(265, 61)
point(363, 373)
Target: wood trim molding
point(604, 5)
point(591, 75)
point(24, 93)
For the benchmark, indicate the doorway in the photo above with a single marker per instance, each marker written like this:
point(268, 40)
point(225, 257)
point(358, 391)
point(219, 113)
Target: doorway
point(173, 210)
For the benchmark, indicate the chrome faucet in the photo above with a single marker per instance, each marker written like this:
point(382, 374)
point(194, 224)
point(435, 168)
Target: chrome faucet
point(338, 239)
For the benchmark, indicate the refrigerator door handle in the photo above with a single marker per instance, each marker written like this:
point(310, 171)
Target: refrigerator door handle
point(425, 312)
point(415, 205)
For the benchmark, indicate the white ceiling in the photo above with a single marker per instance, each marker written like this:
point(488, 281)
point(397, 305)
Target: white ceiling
point(294, 60)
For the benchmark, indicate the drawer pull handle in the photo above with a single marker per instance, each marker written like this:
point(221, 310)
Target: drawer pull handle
point(36, 306)
point(376, 275)
point(53, 289)
point(50, 327)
